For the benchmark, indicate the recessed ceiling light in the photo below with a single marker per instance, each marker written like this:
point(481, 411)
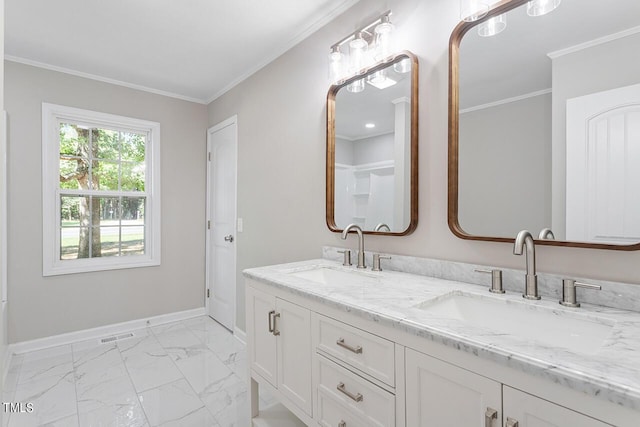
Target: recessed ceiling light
point(370, 125)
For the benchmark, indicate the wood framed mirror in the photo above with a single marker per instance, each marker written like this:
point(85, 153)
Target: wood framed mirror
point(372, 149)
point(544, 125)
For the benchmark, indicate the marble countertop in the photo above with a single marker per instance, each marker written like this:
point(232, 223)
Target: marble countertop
point(390, 298)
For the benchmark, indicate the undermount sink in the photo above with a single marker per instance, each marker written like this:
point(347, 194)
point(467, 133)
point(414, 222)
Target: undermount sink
point(542, 325)
point(333, 276)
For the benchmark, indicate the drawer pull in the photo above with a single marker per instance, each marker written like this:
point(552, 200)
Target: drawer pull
point(342, 424)
point(356, 349)
point(356, 397)
point(276, 332)
point(271, 322)
point(489, 415)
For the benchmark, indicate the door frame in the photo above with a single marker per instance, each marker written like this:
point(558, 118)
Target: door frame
point(233, 120)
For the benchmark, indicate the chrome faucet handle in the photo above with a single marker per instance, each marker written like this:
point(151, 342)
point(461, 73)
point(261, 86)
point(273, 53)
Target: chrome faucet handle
point(496, 280)
point(346, 257)
point(569, 291)
point(376, 262)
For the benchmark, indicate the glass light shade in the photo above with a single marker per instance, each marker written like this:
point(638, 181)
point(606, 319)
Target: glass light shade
point(383, 38)
point(493, 26)
point(541, 7)
point(336, 72)
point(472, 10)
point(403, 66)
point(356, 87)
point(357, 53)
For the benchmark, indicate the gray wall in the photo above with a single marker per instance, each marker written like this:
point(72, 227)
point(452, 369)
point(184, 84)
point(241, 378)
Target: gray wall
point(606, 66)
point(505, 167)
point(43, 306)
point(372, 150)
point(3, 200)
point(281, 131)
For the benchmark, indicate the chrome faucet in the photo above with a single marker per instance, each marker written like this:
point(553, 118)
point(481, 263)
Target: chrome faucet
point(547, 234)
point(524, 238)
point(345, 232)
point(380, 227)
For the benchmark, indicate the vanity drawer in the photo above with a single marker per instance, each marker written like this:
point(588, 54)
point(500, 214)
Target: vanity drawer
point(362, 401)
point(362, 350)
point(334, 414)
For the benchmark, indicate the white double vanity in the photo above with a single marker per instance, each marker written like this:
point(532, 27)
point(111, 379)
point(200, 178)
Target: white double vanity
point(346, 347)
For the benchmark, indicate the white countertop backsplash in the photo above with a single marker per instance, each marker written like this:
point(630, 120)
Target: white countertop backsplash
point(616, 295)
point(612, 373)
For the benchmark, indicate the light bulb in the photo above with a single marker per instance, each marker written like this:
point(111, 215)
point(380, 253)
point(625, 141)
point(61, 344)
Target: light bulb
point(541, 7)
point(472, 10)
point(383, 38)
point(493, 26)
point(335, 65)
point(357, 51)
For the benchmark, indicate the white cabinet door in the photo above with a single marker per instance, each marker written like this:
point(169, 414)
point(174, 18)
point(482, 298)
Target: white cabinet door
point(440, 394)
point(531, 411)
point(293, 329)
point(261, 341)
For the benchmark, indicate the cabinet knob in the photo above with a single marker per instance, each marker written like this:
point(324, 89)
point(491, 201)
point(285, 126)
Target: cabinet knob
point(511, 422)
point(342, 423)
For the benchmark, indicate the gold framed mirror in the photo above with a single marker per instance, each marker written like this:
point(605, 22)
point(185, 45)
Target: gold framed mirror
point(544, 125)
point(372, 149)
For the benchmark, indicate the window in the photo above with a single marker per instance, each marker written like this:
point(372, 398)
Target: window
point(101, 191)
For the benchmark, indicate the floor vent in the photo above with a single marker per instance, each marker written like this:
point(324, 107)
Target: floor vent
point(116, 338)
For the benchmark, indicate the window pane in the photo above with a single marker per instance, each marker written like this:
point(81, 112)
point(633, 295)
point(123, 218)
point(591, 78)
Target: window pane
point(133, 146)
point(74, 242)
point(74, 140)
point(132, 240)
point(109, 240)
point(132, 176)
point(109, 210)
point(133, 209)
point(69, 211)
point(105, 176)
point(73, 173)
point(106, 143)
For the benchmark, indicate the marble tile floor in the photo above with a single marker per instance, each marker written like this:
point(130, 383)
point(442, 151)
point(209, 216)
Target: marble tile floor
point(191, 373)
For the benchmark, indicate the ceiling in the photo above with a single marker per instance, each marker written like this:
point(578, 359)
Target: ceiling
point(516, 62)
point(194, 50)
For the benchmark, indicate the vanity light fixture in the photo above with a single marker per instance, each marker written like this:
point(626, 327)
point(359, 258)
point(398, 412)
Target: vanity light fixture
point(370, 43)
point(493, 26)
point(403, 66)
point(472, 10)
point(356, 86)
point(541, 7)
point(335, 64)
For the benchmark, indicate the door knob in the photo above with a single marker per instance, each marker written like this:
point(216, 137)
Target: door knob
point(228, 238)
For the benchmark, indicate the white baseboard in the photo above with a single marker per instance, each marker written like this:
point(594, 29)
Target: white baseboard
point(240, 335)
point(102, 331)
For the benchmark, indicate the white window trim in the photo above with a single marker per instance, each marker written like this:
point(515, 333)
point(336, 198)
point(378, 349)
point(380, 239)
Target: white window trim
point(51, 264)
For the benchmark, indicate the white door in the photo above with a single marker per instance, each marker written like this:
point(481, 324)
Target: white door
point(603, 166)
point(221, 222)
